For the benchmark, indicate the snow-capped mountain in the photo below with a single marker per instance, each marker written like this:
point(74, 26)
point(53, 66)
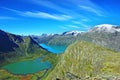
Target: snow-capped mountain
point(46, 35)
point(105, 28)
point(73, 33)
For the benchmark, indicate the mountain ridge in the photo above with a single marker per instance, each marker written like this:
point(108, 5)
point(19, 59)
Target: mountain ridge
point(15, 46)
point(83, 60)
point(76, 32)
point(10, 41)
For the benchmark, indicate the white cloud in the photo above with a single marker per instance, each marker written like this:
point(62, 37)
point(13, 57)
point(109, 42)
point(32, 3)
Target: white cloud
point(85, 20)
point(89, 5)
point(76, 22)
point(13, 10)
point(52, 5)
point(84, 25)
point(90, 9)
point(73, 26)
point(80, 23)
point(69, 27)
point(38, 14)
point(47, 15)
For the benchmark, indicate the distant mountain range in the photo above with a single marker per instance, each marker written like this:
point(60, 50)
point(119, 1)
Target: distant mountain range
point(105, 35)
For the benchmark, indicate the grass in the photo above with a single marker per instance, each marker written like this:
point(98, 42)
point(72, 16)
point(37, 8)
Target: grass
point(27, 51)
point(85, 59)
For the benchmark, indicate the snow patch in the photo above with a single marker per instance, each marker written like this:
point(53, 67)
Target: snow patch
point(74, 33)
point(105, 28)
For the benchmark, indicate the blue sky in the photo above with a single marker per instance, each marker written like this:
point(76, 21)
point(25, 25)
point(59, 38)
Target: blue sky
point(29, 17)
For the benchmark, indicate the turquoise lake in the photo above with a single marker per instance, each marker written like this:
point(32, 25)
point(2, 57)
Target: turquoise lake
point(36, 65)
point(53, 48)
point(28, 66)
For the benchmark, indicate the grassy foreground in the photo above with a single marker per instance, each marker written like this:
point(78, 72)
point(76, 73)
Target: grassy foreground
point(86, 61)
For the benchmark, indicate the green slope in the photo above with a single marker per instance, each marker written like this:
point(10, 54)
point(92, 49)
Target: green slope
point(14, 48)
point(83, 60)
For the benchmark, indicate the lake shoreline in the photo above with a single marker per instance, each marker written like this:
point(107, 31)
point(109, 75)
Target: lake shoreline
point(36, 65)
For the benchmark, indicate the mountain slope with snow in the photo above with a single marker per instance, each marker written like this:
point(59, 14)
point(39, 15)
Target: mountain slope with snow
point(105, 28)
point(72, 33)
point(106, 35)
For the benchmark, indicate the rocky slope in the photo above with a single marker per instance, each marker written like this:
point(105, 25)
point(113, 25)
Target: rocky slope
point(106, 36)
point(105, 28)
point(87, 61)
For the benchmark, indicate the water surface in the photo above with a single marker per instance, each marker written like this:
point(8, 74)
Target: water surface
point(28, 66)
point(36, 65)
point(53, 48)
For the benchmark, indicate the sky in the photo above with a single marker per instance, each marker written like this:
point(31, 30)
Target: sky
point(35, 17)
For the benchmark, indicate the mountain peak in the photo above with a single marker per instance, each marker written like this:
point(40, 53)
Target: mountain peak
point(105, 25)
point(74, 32)
point(105, 28)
